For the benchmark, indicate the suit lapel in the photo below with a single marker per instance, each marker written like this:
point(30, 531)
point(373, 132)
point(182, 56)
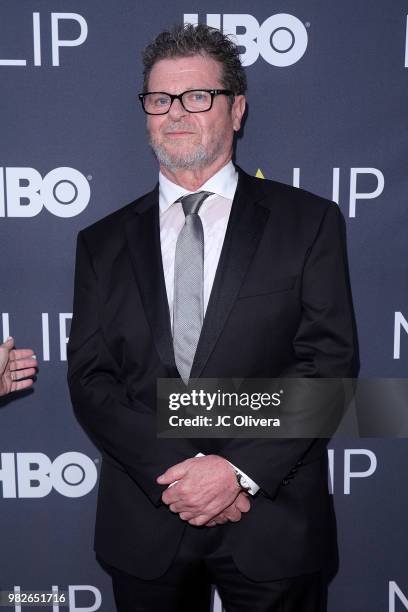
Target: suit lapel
point(245, 227)
point(143, 238)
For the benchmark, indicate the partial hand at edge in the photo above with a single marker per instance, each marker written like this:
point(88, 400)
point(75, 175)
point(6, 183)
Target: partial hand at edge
point(17, 367)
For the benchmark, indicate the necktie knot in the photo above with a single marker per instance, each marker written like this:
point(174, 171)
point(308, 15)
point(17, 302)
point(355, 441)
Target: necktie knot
point(191, 203)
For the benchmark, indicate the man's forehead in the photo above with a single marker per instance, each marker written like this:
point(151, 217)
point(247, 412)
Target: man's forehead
point(182, 70)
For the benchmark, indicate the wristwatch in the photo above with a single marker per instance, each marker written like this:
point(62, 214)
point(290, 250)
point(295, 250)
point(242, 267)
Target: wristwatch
point(242, 481)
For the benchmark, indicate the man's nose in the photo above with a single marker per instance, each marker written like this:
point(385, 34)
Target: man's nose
point(177, 110)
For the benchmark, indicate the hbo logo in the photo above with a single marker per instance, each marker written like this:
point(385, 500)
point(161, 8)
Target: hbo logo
point(65, 192)
point(281, 39)
point(35, 475)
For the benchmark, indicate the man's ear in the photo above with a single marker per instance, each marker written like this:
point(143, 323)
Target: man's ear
point(237, 111)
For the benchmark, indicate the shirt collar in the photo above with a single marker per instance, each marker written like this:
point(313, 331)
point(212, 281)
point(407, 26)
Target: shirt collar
point(222, 183)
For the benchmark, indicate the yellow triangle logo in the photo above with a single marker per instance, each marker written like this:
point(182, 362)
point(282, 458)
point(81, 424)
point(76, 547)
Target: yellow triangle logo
point(259, 174)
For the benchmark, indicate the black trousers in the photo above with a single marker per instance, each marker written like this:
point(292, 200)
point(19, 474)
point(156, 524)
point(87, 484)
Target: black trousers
point(202, 560)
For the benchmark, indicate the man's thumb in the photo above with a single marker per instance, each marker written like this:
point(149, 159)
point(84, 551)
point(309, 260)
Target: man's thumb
point(174, 473)
point(9, 343)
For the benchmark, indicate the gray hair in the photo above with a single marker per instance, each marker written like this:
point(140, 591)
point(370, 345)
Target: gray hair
point(189, 40)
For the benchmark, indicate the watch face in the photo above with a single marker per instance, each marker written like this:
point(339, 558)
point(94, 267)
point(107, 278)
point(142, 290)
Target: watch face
point(244, 483)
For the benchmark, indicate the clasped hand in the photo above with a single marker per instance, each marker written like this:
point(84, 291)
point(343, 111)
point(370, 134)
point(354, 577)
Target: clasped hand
point(207, 491)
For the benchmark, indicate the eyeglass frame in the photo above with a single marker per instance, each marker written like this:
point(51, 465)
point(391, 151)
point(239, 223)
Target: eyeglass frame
point(212, 92)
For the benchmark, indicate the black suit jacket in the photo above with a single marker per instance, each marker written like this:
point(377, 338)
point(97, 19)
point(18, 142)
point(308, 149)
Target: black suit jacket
point(280, 305)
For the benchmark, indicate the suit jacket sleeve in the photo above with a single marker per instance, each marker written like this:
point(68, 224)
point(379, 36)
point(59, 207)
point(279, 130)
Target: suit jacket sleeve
point(325, 346)
point(125, 430)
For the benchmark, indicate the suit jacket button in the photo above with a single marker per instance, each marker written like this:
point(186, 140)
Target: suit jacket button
point(299, 463)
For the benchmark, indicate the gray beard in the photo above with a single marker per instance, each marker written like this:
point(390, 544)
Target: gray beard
point(199, 158)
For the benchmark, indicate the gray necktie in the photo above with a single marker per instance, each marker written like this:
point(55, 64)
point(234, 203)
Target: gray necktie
point(188, 304)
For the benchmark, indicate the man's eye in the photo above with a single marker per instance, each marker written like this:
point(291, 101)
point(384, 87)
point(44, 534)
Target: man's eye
point(197, 96)
point(161, 101)
point(200, 96)
point(158, 101)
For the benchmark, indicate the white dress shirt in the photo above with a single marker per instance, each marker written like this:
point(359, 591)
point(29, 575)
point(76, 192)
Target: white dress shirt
point(214, 214)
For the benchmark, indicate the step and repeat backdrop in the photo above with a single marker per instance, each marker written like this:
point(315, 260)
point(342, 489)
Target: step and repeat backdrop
point(327, 111)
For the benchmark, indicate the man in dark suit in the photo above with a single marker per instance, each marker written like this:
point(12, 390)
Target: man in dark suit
point(213, 274)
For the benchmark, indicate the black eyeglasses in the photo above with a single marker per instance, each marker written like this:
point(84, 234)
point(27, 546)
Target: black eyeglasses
point(192, 100)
